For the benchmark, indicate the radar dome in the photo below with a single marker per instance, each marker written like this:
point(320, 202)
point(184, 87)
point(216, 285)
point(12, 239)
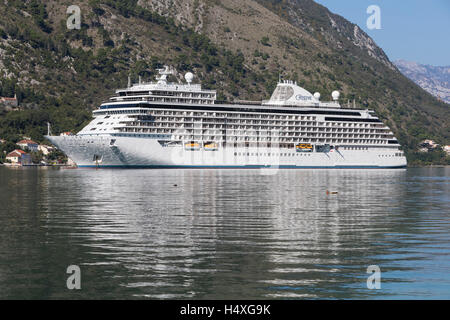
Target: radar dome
point(189, 76)
point(335, 94)
point(317, 95)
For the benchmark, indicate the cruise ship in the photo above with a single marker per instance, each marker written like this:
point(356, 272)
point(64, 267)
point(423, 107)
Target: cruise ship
point(162, 124)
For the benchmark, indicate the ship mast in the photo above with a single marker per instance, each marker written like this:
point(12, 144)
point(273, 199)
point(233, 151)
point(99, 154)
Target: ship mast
point(163, 73)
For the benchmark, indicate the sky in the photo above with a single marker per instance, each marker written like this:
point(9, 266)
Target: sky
point(412, 30)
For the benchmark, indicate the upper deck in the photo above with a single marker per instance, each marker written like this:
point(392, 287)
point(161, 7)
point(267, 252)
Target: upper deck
point(164, 91)
point(287, 94)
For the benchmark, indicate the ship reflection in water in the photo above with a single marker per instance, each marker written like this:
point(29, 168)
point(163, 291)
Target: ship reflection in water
point(217, 234)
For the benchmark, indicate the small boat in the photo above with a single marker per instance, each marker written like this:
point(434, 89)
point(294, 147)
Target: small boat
point(304, 147)
point(210, 146)
point(192, 146)
point(70, 167)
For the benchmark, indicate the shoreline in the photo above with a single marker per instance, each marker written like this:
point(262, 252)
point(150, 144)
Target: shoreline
point(8, 165)
point(430, 166)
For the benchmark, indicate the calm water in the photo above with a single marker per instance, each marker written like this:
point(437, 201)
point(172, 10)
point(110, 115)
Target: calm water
point(224, 234)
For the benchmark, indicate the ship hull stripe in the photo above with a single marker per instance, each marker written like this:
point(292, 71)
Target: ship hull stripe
point(238, 167)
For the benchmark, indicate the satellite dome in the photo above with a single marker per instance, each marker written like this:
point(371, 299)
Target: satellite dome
point(335, 94)
point(317, 95)
point(189, 76)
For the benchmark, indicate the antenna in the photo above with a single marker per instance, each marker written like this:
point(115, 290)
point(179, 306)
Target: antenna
point(129, 81)
point(163, 73)
point(49, 131)
point(140, 79)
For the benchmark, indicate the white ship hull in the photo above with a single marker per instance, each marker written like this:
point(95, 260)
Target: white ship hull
point(139, 152)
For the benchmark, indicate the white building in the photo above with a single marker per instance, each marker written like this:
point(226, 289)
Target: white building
point(430, 144)
point(18, 157)
point(45, 149)
point(30, 144)
point(447, 149)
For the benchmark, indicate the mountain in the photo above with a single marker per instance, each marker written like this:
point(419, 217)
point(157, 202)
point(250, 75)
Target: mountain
point(239, 47)
point(435, 80)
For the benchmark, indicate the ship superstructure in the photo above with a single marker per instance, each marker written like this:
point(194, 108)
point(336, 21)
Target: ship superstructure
point(170, 124)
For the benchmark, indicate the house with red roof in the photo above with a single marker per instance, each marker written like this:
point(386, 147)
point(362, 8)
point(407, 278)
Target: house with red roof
point(18, 157)
point(9, 103)
point(30, 144)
